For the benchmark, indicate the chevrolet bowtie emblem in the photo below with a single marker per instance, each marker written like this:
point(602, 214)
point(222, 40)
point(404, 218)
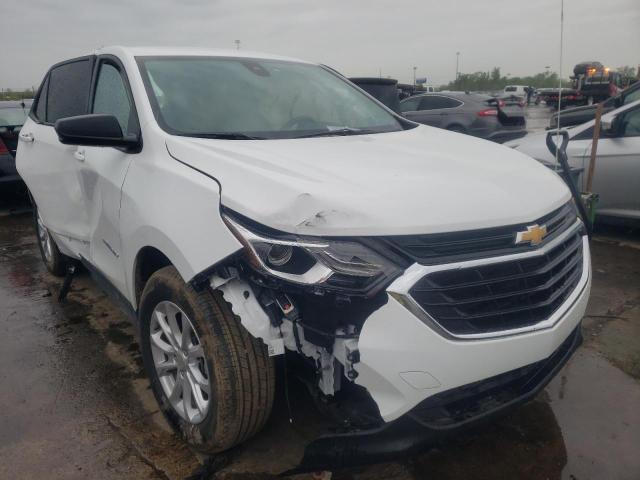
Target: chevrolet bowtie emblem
point(534, 234)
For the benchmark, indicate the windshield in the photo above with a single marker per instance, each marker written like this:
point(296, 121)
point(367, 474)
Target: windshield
point(13, 116)
point(248, 98)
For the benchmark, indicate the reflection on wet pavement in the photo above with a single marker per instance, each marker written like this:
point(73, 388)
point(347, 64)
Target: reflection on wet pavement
point(75, 402)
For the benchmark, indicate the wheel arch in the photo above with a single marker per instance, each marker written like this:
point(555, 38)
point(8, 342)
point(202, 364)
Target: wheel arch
point(148, 261)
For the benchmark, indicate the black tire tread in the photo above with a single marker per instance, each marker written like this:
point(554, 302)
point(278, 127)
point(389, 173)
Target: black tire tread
point(245, 375)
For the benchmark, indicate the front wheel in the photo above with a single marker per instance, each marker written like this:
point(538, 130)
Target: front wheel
point(213, 381)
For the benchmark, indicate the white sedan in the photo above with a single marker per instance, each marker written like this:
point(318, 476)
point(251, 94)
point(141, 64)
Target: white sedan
point(617, 170)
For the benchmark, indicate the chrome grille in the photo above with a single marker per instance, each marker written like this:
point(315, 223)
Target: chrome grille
point(502, 296)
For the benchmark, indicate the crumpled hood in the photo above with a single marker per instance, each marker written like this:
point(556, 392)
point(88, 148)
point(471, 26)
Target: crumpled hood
point(423, 180)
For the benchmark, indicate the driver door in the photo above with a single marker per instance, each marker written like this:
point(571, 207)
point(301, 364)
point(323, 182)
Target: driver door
point(102, 171)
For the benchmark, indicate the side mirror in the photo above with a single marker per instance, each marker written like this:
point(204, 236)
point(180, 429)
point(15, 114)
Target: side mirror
point(95, 130)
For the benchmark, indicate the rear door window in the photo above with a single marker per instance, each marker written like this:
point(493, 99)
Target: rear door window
point(68, 93)
point(437, 102)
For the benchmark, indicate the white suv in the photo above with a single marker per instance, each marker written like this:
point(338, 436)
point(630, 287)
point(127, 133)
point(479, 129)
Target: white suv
point(242, 206)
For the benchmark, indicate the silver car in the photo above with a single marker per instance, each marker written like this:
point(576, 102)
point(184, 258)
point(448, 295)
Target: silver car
point(474, 114)
point(617, 170)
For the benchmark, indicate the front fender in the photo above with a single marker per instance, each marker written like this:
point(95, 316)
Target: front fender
point(175, 209)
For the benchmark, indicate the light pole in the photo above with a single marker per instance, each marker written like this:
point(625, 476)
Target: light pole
point(414, 76)
point(237, 42)
point(457, 65)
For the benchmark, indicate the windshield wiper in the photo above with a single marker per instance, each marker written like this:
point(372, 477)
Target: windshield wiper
point(224, 136)
point(338, 131)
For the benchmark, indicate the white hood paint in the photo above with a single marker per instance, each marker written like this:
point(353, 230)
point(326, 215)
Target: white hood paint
point(423, 180)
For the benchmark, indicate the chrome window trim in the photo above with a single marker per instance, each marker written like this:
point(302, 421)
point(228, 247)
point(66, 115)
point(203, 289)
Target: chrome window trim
point(399, 289)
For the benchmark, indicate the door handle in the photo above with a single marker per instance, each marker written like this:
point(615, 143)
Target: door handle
point(79, 154)
point(27, 137)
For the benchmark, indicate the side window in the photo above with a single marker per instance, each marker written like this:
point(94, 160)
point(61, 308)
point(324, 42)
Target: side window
point(436, 102)
point(447, 102)
point(631, 124)
point(41, 106)
point(428, 103)
point(68, 93)
point(111, 97)
point(409, 105)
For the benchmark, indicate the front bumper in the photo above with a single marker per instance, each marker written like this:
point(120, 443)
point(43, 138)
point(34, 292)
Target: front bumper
point(428, 385)
point(438, 417)
point(404, 359)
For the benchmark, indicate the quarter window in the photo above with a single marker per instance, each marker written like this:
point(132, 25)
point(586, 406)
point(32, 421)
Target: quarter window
point(409, 105)
point(68, 93)
point(41, 106)
point(111, 97)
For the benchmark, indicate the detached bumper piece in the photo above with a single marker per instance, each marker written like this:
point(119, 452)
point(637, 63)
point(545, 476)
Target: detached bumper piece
point(437, 417)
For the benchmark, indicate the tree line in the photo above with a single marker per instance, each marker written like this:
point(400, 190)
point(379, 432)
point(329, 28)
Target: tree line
point(494, 80)
point(9, 94)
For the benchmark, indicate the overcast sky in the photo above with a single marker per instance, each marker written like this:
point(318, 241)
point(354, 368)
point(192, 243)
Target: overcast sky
point(358, 38)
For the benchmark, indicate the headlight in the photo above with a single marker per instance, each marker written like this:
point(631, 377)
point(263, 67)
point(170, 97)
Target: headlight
point(326, 263)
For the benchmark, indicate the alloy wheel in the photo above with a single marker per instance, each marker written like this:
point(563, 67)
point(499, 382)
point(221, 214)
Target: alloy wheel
point(45, 240)
point(180, 362)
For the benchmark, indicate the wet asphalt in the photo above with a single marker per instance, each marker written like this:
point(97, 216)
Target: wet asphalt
point(75, 403)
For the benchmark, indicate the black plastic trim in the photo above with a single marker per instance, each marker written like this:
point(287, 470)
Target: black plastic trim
point(410, 435)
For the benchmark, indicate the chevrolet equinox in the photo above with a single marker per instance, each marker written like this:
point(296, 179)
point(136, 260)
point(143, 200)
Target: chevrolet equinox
point(247, 208)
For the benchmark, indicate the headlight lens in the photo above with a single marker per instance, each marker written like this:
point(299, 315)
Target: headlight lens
point(332, 264)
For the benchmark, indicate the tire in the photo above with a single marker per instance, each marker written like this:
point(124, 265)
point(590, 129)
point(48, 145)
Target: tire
point(237, 371)
point(55, 261)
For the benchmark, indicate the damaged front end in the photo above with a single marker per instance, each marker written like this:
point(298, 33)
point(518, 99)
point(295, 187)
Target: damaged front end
point(394, 380)
point(311, 296)
point(307, 295)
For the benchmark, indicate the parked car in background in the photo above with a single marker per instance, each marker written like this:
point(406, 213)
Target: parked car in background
point(244, 206)
point(12, 116)
point(512, 100)
point(617, 171)
point(478, 115)
point(385, 90)
point(567, 97)
point(578, 115)
point(519, 90)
